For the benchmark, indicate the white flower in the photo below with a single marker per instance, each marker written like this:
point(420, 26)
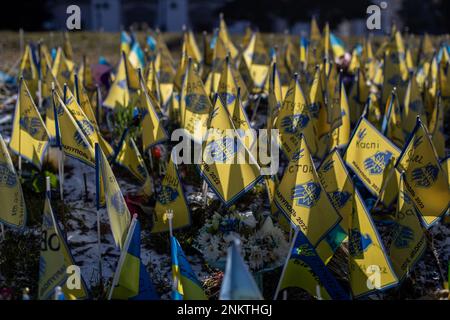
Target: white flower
point(267, 227)
point(248, 219)
point(256, 258)
point(203, 238)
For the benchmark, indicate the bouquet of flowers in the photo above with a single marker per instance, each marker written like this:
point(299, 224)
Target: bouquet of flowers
point(263, 245)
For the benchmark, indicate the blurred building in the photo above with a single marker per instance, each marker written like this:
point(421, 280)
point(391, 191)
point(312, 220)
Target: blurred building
point(171, 15)
point(112, 15)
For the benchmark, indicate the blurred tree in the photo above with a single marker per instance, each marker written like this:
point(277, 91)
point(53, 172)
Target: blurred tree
point(263, 12)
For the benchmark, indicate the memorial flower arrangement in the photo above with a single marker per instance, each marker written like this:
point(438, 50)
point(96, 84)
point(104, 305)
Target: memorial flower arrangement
point(263, 244)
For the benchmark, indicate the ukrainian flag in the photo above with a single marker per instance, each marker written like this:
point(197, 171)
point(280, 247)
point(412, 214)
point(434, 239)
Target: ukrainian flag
point(304, 269)
point(186, 285)
point(131, 280)
point(337, 45)
point(136, 56)
point(238, 282)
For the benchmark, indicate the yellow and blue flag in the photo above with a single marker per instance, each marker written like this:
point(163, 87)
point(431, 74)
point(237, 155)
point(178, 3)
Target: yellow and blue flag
point(304, 269)
point(14, 211)
point(171, 197)
point(125, 85)
point(425, 179)
point(339, 186)
point(69, 135)
point(227, 165)
point(118, 213)
point(125, 42)
point(436, 127)
point(413, 106)
point(392, 121)
point(358, 96)
point(195, 105)
point(137, 56)
point(257, 60)
point(295, 120)
point(301, 198)
point(128, 156)
point(369, 265)
point(341, 135)
point(186, 286)
point(55, 259)
point(225, 37)
point(89, 128)
point(29, 138)
point(369, 155)
point(238, 283)
point(408, 239)
point(153, 131)
point(131, 280)
point(28, 70)
point(62, 69)
point(337, 45)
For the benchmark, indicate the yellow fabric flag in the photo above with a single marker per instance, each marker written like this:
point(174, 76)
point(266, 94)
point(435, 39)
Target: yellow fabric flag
point(445, 164)
point(338, 184)
point(395, 71)
point(424, 178)
point(194, 104)
point(304, 269)
point(413, 106)
point(29, 138)
point(183, 65)
point(369, 154)
point(275, 98)
point(368, 60)
point(85, 103)
point(153, 85)
point(55, 261)
point(392, 122)
point(242, 124)
point(436, 127)
point(257, 60)
point(118, 213)
point(358, 96)
point(129, 157)
point(125, 85)
point(369, 265)
point(372, 111)
point(85, 75)
point(14, 212)
point(319, 112)
point(171, 197)
point(28, 70)
point(227, 88)
point(408, 240)
point(300, 196)
point(341, 135)
point(227, 165)
point(89, 128)
point(292, 57)
point(166, 73)
point(153, 131)
point(70, 136)
point(47, 100)
point(62, 69)
point(224, 36)
point(294, 120)
point(334, 98)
